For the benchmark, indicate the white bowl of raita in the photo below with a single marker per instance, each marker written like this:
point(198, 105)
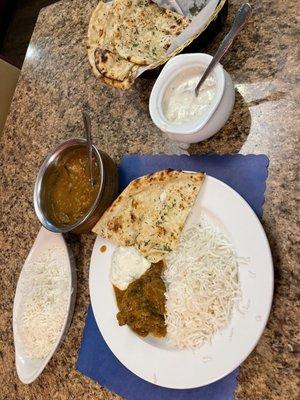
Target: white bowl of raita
point(178, 112)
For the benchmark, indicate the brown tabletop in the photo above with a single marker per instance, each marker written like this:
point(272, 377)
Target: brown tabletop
point(56, 80)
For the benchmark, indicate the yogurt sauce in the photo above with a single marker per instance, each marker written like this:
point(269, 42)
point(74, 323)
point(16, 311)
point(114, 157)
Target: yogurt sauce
point(180, 104)
point(127, 265)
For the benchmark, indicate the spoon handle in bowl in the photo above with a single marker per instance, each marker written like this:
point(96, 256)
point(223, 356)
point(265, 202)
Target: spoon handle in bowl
point(239, 22)
point(87, 126)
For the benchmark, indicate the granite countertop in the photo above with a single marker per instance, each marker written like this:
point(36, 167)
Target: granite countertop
point(56, 81)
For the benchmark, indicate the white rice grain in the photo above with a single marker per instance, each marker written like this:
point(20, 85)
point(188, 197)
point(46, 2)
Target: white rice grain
point(202, 286)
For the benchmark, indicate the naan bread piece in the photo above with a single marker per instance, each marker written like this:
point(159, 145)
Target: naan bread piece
point(106, 63)
point(122, 85)
point(150, 213)
point(143, 31)
point(111, 65)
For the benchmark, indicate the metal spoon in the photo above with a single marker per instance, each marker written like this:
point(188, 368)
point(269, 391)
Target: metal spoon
point(87, 127)
point(239, 22)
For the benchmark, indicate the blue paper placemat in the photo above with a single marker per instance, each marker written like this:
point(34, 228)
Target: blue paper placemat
point(247, 175)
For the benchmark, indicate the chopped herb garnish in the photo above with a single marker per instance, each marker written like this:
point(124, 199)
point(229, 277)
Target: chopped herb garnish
point(166, 248)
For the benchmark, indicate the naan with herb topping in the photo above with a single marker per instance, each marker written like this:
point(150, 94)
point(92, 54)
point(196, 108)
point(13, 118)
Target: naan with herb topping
point(127, 34)
point(143, 31)
point(107, 65)
point(150, 213)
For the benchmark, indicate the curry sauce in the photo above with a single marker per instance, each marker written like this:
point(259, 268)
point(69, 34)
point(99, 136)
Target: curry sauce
point(70, 194)
point(142, 304)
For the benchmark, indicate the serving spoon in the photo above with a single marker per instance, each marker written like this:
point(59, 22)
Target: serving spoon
point(239, 22)
point(87, 127)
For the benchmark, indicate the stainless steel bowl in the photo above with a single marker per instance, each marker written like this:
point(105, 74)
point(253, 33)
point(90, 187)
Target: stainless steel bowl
point(107, 190)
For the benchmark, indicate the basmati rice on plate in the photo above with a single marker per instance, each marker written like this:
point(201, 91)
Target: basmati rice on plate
point(202, 286)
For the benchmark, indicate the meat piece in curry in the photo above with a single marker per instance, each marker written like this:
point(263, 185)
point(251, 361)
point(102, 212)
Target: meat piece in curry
point(142, 304)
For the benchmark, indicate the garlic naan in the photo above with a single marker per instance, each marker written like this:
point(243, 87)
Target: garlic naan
point(150, 213)
point(107, 64)
point(126, 34)
point(143, 31)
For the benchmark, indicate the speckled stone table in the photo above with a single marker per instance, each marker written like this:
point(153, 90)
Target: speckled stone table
point(56, 81)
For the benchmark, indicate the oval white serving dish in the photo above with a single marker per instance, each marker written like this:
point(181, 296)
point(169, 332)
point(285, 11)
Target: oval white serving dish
point(217, 112)
point(29, 369)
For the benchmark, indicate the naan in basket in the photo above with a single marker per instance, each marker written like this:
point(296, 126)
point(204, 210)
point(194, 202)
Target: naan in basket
point(107, 65)
point(150, 213)
point(143, 31)
point(127, 34)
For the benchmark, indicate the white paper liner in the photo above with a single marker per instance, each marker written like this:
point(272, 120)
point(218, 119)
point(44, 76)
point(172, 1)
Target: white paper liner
point(195, 26)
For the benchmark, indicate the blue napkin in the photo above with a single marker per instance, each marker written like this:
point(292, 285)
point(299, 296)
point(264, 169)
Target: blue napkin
point(247, 175)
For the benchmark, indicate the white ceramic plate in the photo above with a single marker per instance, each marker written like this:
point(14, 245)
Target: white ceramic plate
point(153, 359)
point(29, 369)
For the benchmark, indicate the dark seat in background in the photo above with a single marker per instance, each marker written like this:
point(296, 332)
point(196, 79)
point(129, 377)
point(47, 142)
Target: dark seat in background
point(8, 73)
point(17, 21)
point(6, 8)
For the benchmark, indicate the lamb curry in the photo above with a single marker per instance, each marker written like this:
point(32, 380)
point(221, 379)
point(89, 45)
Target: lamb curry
point(142, 304)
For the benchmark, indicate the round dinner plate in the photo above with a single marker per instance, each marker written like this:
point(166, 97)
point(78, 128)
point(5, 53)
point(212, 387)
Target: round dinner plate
point(155, 360)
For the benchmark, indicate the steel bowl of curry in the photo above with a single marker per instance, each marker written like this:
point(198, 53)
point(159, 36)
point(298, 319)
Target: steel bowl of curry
point(64, 199)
